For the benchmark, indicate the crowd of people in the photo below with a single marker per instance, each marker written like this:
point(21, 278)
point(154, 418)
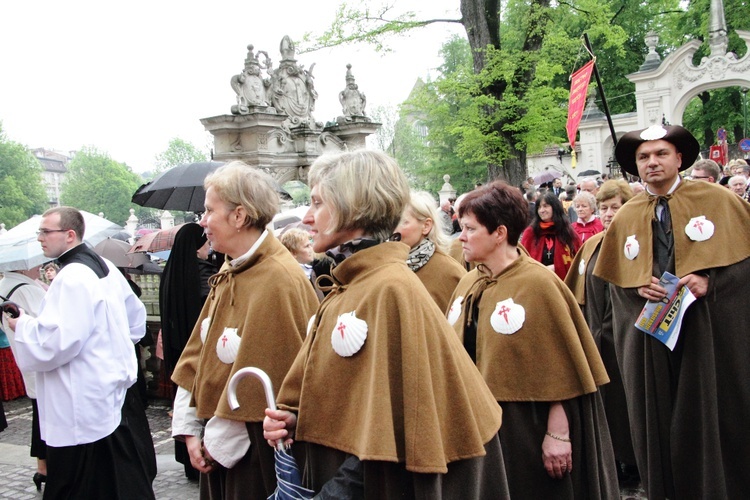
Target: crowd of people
point(484, 348)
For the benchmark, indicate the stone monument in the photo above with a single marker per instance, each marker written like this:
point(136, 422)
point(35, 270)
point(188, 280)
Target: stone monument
point(272, 126)
point(353, 102)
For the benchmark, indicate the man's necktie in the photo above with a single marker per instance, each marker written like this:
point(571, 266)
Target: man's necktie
point(666, 217)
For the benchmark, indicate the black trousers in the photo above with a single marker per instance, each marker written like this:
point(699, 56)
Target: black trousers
point(119, 466)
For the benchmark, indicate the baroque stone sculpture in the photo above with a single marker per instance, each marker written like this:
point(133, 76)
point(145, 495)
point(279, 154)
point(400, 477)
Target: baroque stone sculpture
point(352, 101)
point(292, 89)
point(249, 85)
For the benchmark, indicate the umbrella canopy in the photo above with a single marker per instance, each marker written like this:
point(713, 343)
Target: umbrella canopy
point(116, 251)
point(589, 173)
point(157, 241)
point(181, 188)
point(288, 476)
point(19, 248)
point(547, 176)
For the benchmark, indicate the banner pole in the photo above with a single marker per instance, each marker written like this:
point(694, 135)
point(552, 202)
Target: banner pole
point(604, 101)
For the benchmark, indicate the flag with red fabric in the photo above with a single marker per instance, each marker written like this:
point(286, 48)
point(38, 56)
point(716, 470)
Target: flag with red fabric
point(579, 84)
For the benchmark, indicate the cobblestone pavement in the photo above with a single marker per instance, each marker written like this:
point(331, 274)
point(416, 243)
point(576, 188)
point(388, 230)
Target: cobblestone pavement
point(17, 467)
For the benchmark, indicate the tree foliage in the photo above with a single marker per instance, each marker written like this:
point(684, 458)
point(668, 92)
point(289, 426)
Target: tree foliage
point(178, 152)
point(97, 183)
point(514, 101)
point(22, 192)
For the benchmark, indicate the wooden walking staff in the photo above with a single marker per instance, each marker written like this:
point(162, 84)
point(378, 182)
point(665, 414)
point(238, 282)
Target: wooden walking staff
point(604, 100)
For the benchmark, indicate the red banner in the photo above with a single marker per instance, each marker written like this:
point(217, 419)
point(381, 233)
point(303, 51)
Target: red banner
point(579, 84)
point(718, 154)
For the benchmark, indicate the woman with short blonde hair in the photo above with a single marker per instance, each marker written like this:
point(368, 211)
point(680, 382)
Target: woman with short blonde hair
point(375, 193)
point(239, 184)
point(378, 338)
point(420, 228)
point(237, 328)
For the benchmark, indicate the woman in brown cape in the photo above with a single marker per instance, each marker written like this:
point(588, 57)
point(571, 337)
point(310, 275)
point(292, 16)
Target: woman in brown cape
point(420, 229)
point(528, 337)
point(382, 396)
point(255, 315)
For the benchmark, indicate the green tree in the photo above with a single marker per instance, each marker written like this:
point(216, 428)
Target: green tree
point(515, 100)
point(430, 131)
point(97, 183)
point(22, 191)
point(177, 153)
point(512, 107)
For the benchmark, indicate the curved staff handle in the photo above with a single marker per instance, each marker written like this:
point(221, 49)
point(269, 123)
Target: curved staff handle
point(267, 386)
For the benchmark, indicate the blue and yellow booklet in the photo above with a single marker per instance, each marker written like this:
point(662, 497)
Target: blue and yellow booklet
point(663, 319)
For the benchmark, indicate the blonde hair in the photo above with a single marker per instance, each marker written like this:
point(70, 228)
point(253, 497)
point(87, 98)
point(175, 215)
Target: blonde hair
point(423, 206)
point(364, 190)
point(239, 184)
point(294, 239)
point(615, 187)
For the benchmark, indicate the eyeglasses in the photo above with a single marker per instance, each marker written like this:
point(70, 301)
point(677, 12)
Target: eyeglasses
point(700, 176)
point(45, 232)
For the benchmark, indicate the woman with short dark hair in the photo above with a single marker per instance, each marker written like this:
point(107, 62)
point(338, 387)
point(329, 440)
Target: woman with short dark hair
point(529, 340)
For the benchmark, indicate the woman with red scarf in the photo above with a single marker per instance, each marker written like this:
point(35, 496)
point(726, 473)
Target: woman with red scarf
point(550, 238)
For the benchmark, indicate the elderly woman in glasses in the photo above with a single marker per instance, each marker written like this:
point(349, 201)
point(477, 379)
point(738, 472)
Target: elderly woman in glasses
point(529, 340)
point(255, 315)
point(382, 396)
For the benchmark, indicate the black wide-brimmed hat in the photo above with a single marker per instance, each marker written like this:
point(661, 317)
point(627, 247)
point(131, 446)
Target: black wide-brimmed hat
point(677, 135)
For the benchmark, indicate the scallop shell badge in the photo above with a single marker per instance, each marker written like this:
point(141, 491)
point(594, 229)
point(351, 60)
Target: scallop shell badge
point(508, 317)
point(699, 228)
point(455, 311)
point(204, 328)
point(653, 133)
point(349, 334)
point(228, 345)
point(631, 248)
point(582, 267)
point(310, 325)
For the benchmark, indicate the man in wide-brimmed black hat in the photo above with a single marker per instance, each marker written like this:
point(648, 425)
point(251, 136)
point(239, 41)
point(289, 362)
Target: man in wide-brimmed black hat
point(689, 403)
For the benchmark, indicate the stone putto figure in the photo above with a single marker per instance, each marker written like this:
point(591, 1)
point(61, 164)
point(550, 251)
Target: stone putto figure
point(292, 88)
point(249, 85)
point(352, 101)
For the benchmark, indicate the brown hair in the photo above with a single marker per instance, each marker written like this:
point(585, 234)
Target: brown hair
point(70, 218)
point(497, 204)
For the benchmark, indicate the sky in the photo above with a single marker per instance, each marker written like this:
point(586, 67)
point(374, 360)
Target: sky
point(128, 77)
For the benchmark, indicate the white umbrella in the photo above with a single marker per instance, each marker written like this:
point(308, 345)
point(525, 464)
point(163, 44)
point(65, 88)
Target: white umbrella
point(19, 248)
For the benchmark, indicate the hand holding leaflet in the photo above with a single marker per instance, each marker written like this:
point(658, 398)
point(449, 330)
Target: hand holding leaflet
point(663, 319)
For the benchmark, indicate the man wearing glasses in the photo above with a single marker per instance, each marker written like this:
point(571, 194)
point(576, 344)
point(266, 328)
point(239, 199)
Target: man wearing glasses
point(81, 346)
point(706, 170)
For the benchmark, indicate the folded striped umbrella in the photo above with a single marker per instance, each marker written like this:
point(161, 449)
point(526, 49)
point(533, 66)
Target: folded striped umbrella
point(288, 476)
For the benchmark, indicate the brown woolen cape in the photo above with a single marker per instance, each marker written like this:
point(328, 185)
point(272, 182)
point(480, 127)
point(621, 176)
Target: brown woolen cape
point(410, 395)
point(689, 407)
point(592, 294)
point(269, 300)
point(551, 358)
point(440, 276)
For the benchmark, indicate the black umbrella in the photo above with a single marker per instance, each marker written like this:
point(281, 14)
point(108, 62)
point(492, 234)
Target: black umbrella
point(589, 173)
point(181, 188)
